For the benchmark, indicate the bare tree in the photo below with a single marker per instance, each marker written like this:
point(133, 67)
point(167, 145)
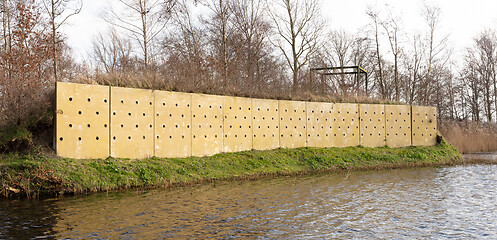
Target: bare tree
point(111, 52)
point(186, 51)
point(59, 11)
point(143, 19)
point(392, 29)
point(412, 62)
point(437, 52)
point(6, 9)
point(379, 71)
point(298, 25)
point(251, 33)
point(220, 29)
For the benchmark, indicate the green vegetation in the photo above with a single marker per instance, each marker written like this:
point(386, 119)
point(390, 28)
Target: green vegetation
point(31, 175)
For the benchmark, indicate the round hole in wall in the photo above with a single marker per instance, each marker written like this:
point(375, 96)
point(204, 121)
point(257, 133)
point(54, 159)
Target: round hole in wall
point(114, 138)
point(136, 125)
point(79, 138)
point(129, 137)
point(61, 138)
point(105, 125)
point(70, 125)
point(143, 137)
point(122, 101)
point(89, 99)
point(97, 138)
point(88, 125)
point(122, 125)
point(80, 112)
point(70, 99)
point(136, 102)
point(129, 114)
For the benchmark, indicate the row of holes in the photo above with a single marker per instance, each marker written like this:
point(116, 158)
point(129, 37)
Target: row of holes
point(88, 125)
point(426, 114)
point(375, 127)
point(136, 126)
point(240, 126)
point(136, 102)
point(414, 134)
point(205, 136)
point(176, 105)
point(97, 113)
point(388, 134)
point(240, 108)
point(129, 137)
point(89, 100)
point(429, 121)
point(427, 128)
point(379, 134)
point(129, 114)
point(79, 138)
point(374, 113)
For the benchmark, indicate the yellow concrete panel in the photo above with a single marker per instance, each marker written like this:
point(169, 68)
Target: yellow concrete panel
point(345, 125)
point(265, 124)
point(132, 123)
point(237, 124)
point(398, 125)
point(207, 124)
point(173, 132)
point(82, 121)
point(424, 126)
point(319, 124)
point(372, 125)
point(292, 124)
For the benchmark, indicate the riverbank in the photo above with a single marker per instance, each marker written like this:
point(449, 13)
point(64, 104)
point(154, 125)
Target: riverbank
point(34, 175)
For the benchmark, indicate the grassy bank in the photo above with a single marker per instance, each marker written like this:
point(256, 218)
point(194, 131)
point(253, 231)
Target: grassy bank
point(32, 175)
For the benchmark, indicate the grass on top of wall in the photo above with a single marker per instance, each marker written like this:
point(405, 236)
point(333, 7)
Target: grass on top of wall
point(34, 175)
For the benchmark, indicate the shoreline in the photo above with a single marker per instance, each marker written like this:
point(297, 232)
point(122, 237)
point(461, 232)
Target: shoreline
point(38, 175)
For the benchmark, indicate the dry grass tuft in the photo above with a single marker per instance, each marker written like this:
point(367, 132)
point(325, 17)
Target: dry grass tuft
point(470, 137)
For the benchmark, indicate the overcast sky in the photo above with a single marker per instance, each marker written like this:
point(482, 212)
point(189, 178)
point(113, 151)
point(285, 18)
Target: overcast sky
point(462, 19)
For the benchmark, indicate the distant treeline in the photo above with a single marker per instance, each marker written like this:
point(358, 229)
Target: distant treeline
point(253, 48)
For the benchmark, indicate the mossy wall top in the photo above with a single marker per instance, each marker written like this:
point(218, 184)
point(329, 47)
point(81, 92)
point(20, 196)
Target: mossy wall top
point(100, 121)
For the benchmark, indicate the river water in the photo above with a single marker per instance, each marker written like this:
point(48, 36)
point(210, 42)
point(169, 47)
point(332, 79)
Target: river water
point(447, 202)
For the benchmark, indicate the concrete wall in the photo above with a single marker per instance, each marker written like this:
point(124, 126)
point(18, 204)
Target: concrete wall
point(100, 121)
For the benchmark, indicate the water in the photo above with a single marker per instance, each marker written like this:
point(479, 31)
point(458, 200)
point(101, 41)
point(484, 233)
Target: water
point(450, 202)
